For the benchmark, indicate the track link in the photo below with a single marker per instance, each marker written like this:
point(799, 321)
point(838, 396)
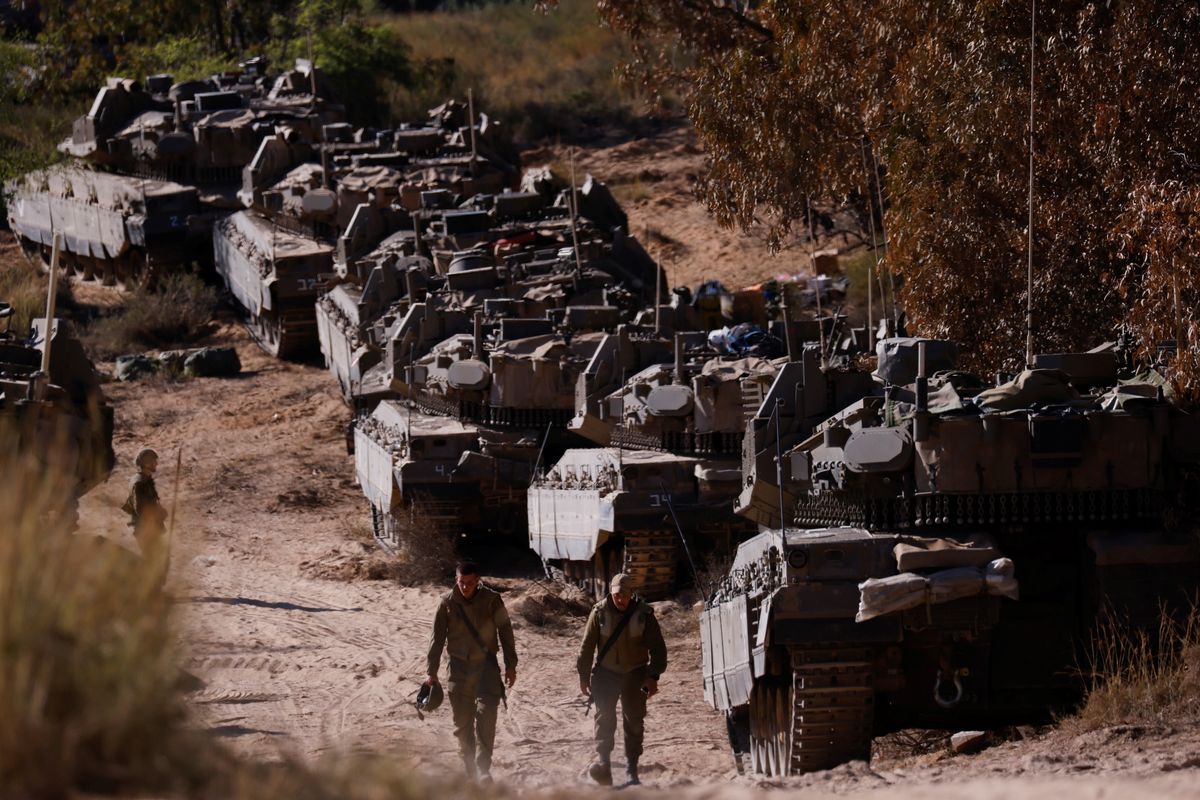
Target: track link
point(833, 707)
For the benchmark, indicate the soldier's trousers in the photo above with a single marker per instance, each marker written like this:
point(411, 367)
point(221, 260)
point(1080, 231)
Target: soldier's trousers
point(475, 691)
point(607, 688)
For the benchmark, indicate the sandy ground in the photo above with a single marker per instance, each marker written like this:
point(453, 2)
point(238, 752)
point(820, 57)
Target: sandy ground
point(654, 178)
point(293, 662)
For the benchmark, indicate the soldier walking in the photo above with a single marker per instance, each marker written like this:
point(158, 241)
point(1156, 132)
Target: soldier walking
point(472, 625)
point(632, 655)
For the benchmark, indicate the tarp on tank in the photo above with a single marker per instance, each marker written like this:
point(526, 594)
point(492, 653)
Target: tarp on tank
point(879, 596)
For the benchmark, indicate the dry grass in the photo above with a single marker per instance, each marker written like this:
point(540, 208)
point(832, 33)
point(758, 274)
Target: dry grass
point(542, 74)
point(176, 312)
point(23, 286)
point(1142, 677)
point(88, 677)
point(90, 690)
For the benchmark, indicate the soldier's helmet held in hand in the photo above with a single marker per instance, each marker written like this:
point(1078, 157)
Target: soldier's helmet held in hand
point(429, 697)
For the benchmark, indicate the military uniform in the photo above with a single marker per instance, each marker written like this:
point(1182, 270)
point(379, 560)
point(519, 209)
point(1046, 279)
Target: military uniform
point(639, 653)
point(475, 686)
point(146, 514)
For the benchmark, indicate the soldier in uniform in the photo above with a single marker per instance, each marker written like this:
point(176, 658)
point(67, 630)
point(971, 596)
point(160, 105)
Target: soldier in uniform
point(471, 624)
point(632, 656)
point(146, 515)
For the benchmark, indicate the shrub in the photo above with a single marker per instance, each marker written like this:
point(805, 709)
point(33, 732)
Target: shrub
point(23, 286)
point(543, 75)
point(177, 311)
point(88, 676)
point(1139, 677)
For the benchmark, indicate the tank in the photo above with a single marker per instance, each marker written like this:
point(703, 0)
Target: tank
point(156, 164)
point(202, 132)
point(512, 254)
point(370, 187)
point(116, 229)
point(671, 413)
point(473, 423)
point(930, 532)
point(439, 473)
point(58, 418)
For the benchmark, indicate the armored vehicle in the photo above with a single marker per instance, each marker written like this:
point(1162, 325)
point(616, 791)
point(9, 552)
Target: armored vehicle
point(525, 256)
point(438, 473)
point(369, 187)
point(52, 411)
point(673, 429)
point(116, 229)
point(157, 164)
point(931, 532)
point(506, 397)
point(201, 132)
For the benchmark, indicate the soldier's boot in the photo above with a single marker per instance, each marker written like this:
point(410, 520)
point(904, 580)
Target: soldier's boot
point(601, 773)
point(631, 772)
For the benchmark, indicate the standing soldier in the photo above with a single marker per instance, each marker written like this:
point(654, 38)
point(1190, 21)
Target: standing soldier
point(470, 620)
point(632, 657)
point(146, 515)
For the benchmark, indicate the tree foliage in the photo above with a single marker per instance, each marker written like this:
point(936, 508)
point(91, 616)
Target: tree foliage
point(788, 96)
point(86, 42)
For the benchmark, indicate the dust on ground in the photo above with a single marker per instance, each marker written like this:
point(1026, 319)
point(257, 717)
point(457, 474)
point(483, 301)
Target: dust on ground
point(306, 642)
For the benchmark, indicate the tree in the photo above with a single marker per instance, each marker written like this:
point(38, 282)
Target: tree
point(786, 94)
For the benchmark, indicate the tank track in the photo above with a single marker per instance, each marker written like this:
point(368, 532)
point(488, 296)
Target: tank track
point(650, 556)
point(128, 271)
point(286, 334)
point(823, 718)
point(833, 707)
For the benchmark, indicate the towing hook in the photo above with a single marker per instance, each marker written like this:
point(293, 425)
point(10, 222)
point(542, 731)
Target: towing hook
point(957, 677)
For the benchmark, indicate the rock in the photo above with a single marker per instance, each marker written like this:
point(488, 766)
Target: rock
point(171, 361)
point(132, 367)
point(968, 741)
point(204, 561)
point(212, 362)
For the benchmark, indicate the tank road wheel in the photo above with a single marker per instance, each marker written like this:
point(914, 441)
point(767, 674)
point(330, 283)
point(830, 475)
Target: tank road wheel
point(32, 251)
point(834, 704)
point(133, 269)
point(266, 332)
point(770, 728)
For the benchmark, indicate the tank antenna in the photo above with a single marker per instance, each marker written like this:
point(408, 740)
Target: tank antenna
point(874, 252)
point(657, 290)
point(51, 300)
point(682, 538)
point(537, 464)
point(779, 462)
point(883, 243)
point(574, 209)
point(471, 122)
point(812, 257)
point(1029, 246)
